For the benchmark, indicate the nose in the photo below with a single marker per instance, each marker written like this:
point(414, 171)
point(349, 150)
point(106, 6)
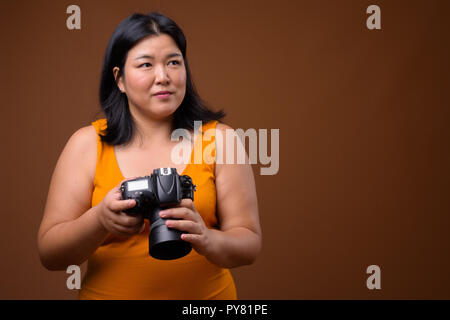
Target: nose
point(161, 76)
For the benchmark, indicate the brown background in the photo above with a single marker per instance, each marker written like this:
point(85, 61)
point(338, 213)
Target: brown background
point(364, 134)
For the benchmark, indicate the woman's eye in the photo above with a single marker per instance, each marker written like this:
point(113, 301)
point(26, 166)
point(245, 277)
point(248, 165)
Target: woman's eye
point(146, 65)
point(176, 62)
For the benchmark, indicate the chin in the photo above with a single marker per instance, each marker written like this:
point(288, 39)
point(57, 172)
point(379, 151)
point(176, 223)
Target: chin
point(162, 113)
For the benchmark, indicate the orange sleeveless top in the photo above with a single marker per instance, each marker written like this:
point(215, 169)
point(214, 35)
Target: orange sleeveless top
point(121, 268)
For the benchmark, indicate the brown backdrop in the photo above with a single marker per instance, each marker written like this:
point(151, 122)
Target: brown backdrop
point(364, 134)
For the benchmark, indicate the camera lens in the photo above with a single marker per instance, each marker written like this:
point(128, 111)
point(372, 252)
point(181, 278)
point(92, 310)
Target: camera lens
point(165, 243)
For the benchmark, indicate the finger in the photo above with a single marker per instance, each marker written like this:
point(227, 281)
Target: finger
point(188, 203)
point(192, 238)
point(127, 220)
point(121, 205)
point(119, 230)
point(178, 213)
point(184, 225)
point(128, 231)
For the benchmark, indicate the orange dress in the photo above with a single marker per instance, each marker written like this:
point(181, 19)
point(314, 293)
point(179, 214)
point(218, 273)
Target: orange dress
point(121, 268)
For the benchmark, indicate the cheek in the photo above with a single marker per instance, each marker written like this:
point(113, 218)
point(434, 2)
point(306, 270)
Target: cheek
point(138, 80)
point(179, 79)
point(182, 86)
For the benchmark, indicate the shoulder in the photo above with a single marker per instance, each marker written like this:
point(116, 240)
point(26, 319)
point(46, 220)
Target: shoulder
point(222, 133)
point(230, 150)
point(213, 126)
point(81, 150)
point(218, 130)
point(83, 139)
point(226, 134)
point(99, 125)
point(222, 127)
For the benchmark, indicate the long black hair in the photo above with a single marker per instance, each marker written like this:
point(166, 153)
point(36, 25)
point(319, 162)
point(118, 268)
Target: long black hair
point(120, 125)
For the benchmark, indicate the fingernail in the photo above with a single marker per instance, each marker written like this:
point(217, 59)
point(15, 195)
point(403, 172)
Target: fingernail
point(162, 214)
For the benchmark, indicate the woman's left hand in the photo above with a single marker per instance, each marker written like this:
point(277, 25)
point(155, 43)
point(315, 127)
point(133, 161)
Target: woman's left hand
point(191, 222)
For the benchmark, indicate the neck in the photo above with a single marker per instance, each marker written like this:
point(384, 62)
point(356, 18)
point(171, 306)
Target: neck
point(150, 131)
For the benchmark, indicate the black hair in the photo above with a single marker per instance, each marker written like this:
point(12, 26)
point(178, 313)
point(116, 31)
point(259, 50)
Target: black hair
point(120, 124)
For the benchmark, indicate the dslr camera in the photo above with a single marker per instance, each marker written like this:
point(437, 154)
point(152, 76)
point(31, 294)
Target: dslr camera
point(162, 189)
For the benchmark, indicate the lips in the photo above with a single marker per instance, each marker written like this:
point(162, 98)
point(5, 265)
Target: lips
point(162, 93)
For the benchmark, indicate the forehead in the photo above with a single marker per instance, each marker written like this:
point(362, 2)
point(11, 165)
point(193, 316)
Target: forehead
point(154, 45)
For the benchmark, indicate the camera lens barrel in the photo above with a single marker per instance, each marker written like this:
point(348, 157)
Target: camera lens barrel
point(165, 243)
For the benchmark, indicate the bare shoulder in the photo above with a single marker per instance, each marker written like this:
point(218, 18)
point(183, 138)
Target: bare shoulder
point(81, 150)
point(222, 127)
point(225, 132)
point(84, 137)
point(229, 147)
point(221, 142)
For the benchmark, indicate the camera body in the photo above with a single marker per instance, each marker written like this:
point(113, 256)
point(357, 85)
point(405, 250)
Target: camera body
point(162, 189)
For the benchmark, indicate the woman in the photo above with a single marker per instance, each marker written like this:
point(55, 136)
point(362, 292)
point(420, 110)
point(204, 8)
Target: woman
point(146, 92)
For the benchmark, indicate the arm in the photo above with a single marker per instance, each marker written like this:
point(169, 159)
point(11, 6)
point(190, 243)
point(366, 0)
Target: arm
point(71, 230)
point(238, 241)
point(66, 235)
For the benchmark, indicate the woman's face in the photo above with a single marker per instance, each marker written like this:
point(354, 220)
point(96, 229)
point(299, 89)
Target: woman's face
point(153, 65)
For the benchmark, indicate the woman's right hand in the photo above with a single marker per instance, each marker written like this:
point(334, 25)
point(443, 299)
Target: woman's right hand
point(114, 220)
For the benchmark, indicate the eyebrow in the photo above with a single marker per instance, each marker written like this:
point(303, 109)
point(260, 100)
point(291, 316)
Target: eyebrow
point(170, 55)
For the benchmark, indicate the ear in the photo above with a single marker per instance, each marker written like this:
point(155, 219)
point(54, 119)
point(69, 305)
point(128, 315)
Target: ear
point(119, 80)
